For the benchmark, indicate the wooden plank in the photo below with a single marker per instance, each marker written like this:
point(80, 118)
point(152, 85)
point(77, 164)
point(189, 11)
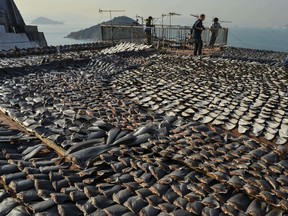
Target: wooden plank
point(60, 151)
point(6, 120)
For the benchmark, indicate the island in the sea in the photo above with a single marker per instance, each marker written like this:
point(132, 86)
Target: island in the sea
point(45, 21)
point(94, 32)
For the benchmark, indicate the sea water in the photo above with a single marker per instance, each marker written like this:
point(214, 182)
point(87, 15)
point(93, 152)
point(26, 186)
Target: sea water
point(56, 34)
point(275, 39)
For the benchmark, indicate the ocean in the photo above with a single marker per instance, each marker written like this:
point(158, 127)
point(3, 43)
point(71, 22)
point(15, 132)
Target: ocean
point(274, 39)
point(56, 34)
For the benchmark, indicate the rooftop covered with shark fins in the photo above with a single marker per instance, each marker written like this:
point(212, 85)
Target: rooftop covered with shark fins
point(123, 129)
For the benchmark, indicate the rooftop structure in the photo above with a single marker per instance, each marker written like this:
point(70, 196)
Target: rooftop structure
point(13, 30)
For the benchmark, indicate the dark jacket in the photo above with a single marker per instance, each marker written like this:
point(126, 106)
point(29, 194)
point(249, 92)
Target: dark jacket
point(285, 63)
point(148, 25)
point(198, 28)
point(148, 22)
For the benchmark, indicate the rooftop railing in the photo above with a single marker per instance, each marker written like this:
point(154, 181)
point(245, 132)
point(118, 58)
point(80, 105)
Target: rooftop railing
point(165, 35)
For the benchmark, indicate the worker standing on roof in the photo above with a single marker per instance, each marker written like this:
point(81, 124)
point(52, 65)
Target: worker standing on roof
point(214, 28)
point(148, 29)
point(197, 31)
point(285, 64)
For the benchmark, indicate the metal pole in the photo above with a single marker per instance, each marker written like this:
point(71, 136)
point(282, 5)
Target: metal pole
point(112, 38)
point(110, 11)
point(170, 28)
point(132, 39)
point(163, 30)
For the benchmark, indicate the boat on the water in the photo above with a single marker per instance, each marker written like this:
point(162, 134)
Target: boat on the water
point(14, 33)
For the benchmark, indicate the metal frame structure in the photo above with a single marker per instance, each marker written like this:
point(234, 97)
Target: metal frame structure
point(163, 35)
point(111, 21)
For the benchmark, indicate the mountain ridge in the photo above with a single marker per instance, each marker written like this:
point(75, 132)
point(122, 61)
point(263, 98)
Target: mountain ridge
point(45, 21)
point(94, 32)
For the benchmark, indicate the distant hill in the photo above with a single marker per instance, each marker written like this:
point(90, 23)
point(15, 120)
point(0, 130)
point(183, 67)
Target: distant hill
point(94, 32)
point(45, 21)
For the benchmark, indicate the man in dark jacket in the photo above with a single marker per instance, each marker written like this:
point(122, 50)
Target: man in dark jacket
point(148, 29)
point(285, 64)
point(197, 31)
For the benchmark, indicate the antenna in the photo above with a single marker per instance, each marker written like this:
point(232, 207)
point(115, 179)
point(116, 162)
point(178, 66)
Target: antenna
point(194, 15)
point(170, 14)
point(162, 16)
point(221, 21)
point(173, 14)
point(140, 18)
point(225, 21)
point(110, 11)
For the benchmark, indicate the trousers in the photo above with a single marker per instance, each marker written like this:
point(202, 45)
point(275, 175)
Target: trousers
point(198, 45)
point(148, 37)
point(212, 40)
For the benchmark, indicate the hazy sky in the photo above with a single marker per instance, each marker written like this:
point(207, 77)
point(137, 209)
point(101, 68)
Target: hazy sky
point(240, 12)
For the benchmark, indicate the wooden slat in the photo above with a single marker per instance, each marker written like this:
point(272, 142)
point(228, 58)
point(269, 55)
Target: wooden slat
point(17, 125)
